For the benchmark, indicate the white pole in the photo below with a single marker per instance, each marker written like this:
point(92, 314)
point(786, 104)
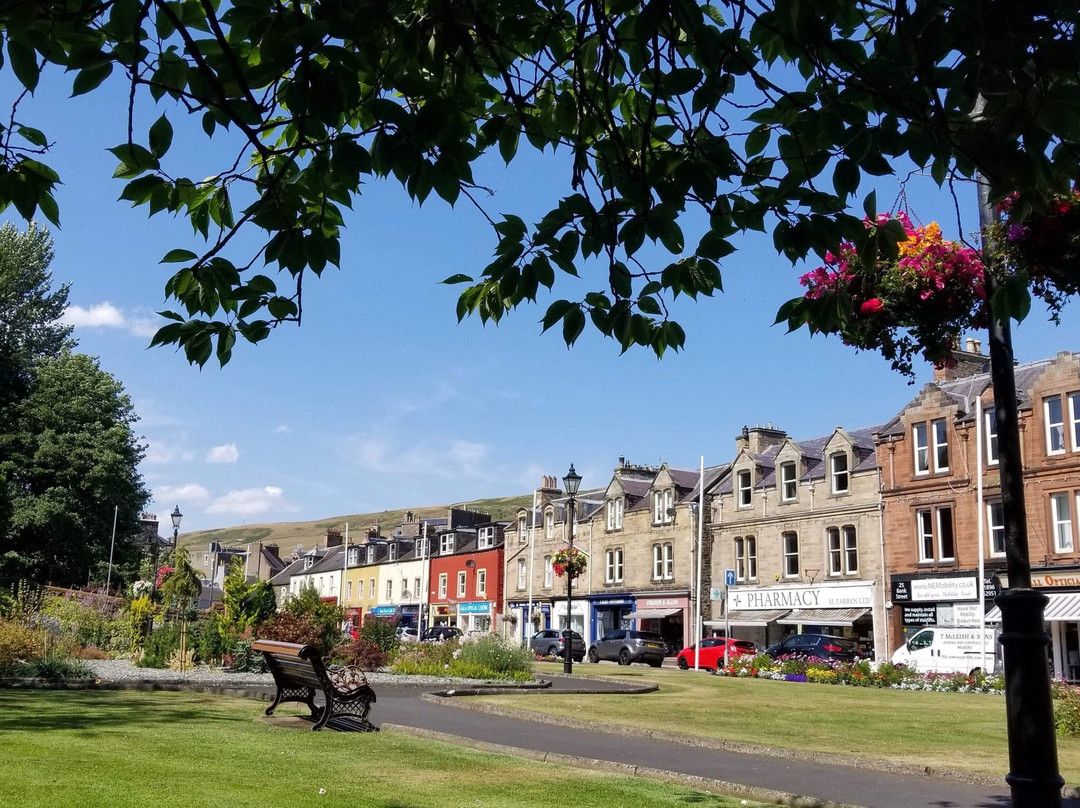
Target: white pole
point(527, 622)
point(982, 529)
point(727, 625)
point(700, 538)
point(344, 568)
point(423, 586)
point(112, 544)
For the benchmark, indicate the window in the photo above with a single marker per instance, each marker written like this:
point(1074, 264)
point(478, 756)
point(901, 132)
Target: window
point(389, 590)
point(360, 588)
point(745, 558)
point(523, 526)
point(1061, 515)
point(614, 514)
point(308, 562)
point(789, 484)
point(663, 506)
point(838, 473)
point(422, 548)
point(995, 521)
point(485, 538)
point(370, 554)
point(935, 534)
point(446, 544)
point(371, 588)
point(1074, 418)
point(549, 573)
point(613, 564)
point(843, 550)
point(481, 583)
point(921, 448)
point(522, 573)
point(744, 490)
point(991, 438)
point(461, 584)
point(442, 584)
point(790, 542)
point(354, 556)
point(549, 525)
point(1055, 425)
point(941, 444)
point(348, 590)
point(393, 552)
point(663, 561)
point(416, 587)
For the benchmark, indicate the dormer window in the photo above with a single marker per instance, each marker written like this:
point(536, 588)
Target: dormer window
point(421, 547)
point(614, 514)
point(354, 556)
point(370, 554)
point(485, 538)
point(743, 488)
point(789, 482)
point(838, 473)
point(664, 506)
point(393, 552)
point(549, 525)
point(446, 544)
point(522, 527)
point(308, 562)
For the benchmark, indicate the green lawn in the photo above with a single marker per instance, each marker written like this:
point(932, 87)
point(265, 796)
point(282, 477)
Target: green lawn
point(125, 749)
point(943, 730)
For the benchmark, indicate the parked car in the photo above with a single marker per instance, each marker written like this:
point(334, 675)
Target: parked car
point(441, 633)
point(712, 652)
point(821, 646)
point(950, 650)
point(627, 645)
point(552, 642)
point(407, 633)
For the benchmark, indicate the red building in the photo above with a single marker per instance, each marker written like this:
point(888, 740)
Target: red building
point(466, 577)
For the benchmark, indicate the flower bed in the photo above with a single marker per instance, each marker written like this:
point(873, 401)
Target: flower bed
point(858, 674)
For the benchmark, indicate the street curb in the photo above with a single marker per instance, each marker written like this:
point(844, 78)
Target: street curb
point(870, 764)
point(706, 784)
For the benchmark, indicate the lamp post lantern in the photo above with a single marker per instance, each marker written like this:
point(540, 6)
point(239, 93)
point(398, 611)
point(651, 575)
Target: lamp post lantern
point(572, 481)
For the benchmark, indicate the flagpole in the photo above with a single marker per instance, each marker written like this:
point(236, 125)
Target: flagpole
point(532, 546)
point(700, 535)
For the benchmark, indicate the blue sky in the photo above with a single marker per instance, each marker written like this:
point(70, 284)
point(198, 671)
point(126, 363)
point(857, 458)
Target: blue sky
point(381, 400)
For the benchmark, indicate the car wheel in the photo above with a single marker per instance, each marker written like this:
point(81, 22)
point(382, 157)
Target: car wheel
point(554, 651)
point(683, 664)
point(593, 656)
point(624, 657)
point(579, 659)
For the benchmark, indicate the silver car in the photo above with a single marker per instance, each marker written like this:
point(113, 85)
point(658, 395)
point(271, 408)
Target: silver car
point(552, 642)
point(627, 645)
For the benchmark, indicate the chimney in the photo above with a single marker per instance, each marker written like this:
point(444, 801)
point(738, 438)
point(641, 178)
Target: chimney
point(272, 549)
point(743, 440)
point(333, 537)
point(963, 363)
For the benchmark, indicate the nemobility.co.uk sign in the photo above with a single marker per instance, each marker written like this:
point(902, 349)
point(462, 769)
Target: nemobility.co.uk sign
point(801, 597)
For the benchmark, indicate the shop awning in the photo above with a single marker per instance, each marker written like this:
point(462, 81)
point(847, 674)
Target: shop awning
point(823, 617)
point(759, 618)
point(650, 614)
point(1064, 607)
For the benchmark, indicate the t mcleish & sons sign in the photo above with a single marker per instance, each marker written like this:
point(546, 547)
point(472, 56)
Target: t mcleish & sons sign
point(801, 597)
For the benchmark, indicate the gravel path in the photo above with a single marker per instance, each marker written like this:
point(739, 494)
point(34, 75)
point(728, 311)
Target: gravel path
point(122, 670)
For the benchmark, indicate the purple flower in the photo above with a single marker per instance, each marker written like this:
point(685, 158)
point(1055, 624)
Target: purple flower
point(1017, 232)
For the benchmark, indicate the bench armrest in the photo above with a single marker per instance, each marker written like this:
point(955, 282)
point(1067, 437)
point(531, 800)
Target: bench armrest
point(347, 678)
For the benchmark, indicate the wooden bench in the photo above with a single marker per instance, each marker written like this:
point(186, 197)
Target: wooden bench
point(299, 673)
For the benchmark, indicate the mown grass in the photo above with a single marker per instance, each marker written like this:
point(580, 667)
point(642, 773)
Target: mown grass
point(122, 749)
point(943, 730)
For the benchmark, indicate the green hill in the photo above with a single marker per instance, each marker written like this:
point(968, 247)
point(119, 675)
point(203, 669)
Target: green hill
point(289, 534)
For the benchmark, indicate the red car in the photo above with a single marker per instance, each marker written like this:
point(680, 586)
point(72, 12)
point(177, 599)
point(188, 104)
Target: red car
point(712, 652)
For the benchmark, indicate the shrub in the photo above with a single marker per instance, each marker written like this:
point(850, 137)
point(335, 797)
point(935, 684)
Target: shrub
point(159, 646)
point(288, 627)
point(380, 632)
point(496, 655)
point(18, 642)
point(360, 652)
point(215, 640)
point(1067, 712)
point(326, 618)
point(53, 666)
point(244, 660)
point(91, 652)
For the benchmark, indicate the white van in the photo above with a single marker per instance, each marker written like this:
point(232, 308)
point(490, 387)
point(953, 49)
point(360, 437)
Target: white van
point(950, 650)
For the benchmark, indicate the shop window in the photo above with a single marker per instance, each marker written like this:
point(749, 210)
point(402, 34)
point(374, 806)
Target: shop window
point(935, 534)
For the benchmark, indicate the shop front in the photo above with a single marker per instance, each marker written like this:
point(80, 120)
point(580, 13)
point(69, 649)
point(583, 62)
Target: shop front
point(666, 616)
point(528, 622)
point(608, 614)
point(442, 614)
point(578, 615)
point(938, 600)
point(1062, 618)
point(766, 615)
point(475, 616)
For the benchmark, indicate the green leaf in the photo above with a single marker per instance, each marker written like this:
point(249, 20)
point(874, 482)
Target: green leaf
point(161, 135)
point(458, 278)
point(24, 62)
point(32, 135)
point(870, 205)
point(757, 140)
point(573, 325)
point(90, 79)
point(178, 257)
point(555, 312)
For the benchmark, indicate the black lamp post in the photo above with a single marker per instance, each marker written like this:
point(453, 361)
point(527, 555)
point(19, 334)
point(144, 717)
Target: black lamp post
point(176, 517)
point(572, 481)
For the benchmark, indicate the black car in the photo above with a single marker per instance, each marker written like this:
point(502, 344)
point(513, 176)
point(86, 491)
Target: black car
point(441, 633)
point(821, 646)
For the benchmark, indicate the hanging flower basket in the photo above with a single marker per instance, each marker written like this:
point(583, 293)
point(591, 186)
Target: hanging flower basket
point(1044, 245)
point(569, 561)
point(909, 290)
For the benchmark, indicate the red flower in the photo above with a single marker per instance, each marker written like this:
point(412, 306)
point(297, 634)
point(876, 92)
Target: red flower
point(871, 306)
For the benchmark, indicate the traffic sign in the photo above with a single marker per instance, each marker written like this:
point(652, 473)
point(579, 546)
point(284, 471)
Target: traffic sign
point(729, 577)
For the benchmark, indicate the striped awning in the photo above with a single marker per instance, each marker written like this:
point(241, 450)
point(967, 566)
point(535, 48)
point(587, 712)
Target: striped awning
point(823, 617)
point(650, 614)
point(1064, 607)
point(758, 618)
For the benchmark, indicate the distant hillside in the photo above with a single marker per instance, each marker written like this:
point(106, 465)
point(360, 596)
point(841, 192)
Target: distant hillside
point(289, 534)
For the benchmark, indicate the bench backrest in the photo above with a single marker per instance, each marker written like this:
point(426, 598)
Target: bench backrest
point(294, 663)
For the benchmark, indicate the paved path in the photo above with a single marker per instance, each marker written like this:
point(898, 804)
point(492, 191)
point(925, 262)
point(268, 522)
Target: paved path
point(837, 784)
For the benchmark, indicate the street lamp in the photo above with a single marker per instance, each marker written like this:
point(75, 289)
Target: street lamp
point(176, 517)
point(572, 481)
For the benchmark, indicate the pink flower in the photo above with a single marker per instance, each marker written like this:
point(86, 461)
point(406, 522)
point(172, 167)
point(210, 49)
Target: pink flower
point(871, 306)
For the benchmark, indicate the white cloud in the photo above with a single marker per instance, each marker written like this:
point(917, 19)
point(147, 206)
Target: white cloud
point(159, 454)
point(251, 501)
point(456, 459)
point(282, 429)
point(106, 315)
point(189, 493)
point(226, 453)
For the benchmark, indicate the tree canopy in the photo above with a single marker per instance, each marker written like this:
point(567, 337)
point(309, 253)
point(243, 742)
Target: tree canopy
point(749, 114)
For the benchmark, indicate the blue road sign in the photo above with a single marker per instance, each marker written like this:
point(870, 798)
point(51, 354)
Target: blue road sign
point(729, 577)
